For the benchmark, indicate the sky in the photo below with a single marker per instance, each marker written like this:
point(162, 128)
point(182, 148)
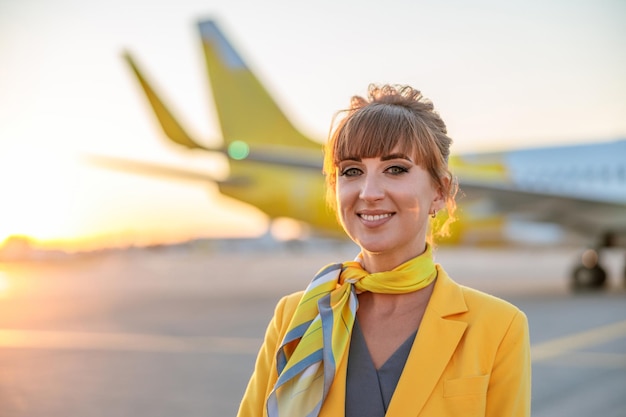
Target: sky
point(503, 75)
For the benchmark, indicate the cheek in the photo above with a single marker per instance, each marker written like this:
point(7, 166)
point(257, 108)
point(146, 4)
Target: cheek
point(418, 203)
point(343, 206)
point(344, 200)
point(343, 195)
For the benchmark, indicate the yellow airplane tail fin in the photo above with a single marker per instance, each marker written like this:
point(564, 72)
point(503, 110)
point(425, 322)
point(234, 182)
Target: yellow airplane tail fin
point(166, 119)
point(246, 111)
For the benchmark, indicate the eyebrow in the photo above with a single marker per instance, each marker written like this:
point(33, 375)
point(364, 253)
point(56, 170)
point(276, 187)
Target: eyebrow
point(382, 158)
point(350, 158)
point(395, 156)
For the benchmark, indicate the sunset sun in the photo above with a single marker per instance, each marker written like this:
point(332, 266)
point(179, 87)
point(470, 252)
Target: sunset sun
point(36, 192)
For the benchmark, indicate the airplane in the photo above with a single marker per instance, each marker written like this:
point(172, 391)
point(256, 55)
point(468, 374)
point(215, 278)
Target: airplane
point(277, 169)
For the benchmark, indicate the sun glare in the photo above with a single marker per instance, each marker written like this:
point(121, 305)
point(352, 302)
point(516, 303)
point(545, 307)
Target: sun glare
point(36, 192)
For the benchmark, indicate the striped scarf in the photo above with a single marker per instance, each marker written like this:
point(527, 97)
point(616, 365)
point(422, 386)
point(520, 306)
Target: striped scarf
point(319, 332)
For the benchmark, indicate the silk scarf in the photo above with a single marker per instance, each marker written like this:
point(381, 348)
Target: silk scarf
point(320, 329)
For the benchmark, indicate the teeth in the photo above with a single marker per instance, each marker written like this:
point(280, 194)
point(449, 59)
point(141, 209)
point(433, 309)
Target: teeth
point(374, 217)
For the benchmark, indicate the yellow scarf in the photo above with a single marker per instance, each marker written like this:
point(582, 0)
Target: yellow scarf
point(320, 329)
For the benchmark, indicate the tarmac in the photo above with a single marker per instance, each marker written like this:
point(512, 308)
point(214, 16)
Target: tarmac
point(175, 331)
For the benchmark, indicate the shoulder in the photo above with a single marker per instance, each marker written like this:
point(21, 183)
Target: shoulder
point(480, 306)
point(290, 301)
point(492, 322)
point(489, 303)
point(495, 312)
point(287, 305)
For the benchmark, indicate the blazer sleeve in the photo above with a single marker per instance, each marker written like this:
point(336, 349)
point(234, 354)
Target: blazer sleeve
point(510, 382)
point(264, 376)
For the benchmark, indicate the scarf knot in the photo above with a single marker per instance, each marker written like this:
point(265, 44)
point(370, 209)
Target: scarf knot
point(319, 333)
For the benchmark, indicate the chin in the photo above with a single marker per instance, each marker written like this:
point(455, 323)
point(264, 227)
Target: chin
point(375, 247)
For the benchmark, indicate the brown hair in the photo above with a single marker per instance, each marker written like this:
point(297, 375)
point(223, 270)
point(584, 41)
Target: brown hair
point(393, 116)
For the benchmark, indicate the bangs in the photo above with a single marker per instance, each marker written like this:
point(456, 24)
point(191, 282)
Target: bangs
point(382, 129)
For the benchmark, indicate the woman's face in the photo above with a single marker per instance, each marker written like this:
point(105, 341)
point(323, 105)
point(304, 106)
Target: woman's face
point(384, 204)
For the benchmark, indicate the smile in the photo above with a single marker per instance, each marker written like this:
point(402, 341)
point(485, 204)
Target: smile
point(374, 217)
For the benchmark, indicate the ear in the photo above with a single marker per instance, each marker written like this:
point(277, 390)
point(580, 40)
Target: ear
point(439, 202)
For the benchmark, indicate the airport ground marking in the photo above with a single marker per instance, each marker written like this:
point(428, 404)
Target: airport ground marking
point(592, 359)
point(568, 344)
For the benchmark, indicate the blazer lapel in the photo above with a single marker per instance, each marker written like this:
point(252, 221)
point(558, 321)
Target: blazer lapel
point(432, 349)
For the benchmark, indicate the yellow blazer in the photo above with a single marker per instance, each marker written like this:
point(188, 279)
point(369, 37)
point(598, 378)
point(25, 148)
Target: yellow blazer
point(471, 357)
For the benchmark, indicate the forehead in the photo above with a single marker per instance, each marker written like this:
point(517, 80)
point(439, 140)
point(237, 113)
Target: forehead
point(375, 131)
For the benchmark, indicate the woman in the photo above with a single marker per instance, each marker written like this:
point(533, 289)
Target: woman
point(390, 334)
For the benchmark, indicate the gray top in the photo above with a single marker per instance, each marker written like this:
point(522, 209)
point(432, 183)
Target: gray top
point(369, 390)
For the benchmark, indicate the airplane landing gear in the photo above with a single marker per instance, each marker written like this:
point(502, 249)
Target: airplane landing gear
point(589, 275)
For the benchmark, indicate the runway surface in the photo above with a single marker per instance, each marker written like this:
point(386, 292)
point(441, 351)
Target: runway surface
point(174, 332)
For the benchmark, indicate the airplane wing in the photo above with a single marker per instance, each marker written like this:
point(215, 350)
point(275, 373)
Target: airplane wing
point(583, 216)
point(150, 169)
point(274, 158)
point(581, 187)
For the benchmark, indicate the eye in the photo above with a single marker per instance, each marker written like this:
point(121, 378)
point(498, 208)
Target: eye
point(351, 172)
point(396, 170)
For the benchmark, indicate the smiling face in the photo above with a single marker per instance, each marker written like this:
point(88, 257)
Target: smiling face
point(386, 167)
point(384, 205)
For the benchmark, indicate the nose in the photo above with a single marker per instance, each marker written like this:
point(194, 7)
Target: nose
point(371, 188)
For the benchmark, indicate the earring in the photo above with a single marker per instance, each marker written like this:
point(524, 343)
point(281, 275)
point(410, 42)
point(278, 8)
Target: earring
point(433, 214)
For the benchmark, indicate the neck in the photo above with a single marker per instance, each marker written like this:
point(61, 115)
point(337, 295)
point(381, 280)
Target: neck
point(394, 304)
point(381, 262)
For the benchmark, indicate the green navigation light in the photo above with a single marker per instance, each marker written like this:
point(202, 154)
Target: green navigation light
point(238, 150)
